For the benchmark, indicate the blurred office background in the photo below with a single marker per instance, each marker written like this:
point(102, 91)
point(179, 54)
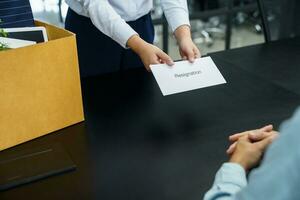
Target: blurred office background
point(216, 24)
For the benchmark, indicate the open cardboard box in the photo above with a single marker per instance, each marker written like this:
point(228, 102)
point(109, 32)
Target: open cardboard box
point(40, 88)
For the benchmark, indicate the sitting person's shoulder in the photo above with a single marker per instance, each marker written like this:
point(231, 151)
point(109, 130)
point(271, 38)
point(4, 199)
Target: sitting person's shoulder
point(292, 125)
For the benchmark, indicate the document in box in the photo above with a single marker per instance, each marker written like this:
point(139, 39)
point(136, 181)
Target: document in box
point(15, 43)
point(186, 76)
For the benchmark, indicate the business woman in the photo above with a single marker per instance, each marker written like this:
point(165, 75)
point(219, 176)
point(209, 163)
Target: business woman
point(115, 35)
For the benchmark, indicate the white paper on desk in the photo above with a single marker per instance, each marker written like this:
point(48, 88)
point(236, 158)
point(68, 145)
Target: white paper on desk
point(186, 76)
point(15, 43)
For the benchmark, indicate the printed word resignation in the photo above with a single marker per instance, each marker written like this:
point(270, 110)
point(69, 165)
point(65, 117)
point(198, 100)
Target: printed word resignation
point(187, 74)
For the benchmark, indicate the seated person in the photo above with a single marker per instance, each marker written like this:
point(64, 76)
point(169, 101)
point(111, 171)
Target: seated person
point(277, 177)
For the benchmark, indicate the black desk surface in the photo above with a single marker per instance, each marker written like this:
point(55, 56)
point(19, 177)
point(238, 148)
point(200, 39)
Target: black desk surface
point(278, 62)
point(137, 144)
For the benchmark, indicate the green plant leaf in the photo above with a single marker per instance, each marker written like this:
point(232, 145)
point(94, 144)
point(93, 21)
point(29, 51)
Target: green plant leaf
point(3, 34)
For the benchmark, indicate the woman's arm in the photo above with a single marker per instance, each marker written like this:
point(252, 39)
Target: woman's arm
point(177, 14)
point(108, 21)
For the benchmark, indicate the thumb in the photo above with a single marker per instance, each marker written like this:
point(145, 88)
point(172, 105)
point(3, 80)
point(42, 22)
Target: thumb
point(165, 58)
point(197, 52)
point(257, 135)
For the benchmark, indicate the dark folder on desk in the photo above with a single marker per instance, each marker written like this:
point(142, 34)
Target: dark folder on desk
point(31, 165)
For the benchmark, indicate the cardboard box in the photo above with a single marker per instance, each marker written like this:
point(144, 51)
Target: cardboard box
point(40, 88)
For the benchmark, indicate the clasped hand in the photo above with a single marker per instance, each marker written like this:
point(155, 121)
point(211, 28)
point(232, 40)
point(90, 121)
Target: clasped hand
point(248, 147)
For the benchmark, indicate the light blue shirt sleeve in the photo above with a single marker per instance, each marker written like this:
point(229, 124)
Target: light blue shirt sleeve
point(278, 177)
point(229, 180)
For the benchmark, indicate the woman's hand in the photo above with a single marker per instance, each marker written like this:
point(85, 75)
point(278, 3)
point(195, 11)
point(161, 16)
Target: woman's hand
point(248, 147)
point(254, 135)
point(148, 53)
point(187, 48)
point(248, 154)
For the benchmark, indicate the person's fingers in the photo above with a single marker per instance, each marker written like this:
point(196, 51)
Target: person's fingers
point(231, 148)
point(160, 61)
point(148, 68)
point(156, 61)
point(152, 62)
point(254, 135)
point(190, 55)
point(267, 128)
point(275, 133)
point(197, 52)
point(257, 135)
point(244, 138)
point(236, 136)
point(263, 144)
point(165, 58)
point(183, 57)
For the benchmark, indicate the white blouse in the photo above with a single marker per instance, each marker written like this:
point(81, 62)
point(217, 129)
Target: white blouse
point(110, 16)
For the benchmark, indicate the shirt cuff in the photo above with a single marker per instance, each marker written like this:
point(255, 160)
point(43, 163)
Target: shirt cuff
point(125, 33)
point(231, 175)
point(182, 18)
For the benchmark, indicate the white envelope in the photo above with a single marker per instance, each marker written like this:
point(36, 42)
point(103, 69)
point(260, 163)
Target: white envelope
point(186, 76)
